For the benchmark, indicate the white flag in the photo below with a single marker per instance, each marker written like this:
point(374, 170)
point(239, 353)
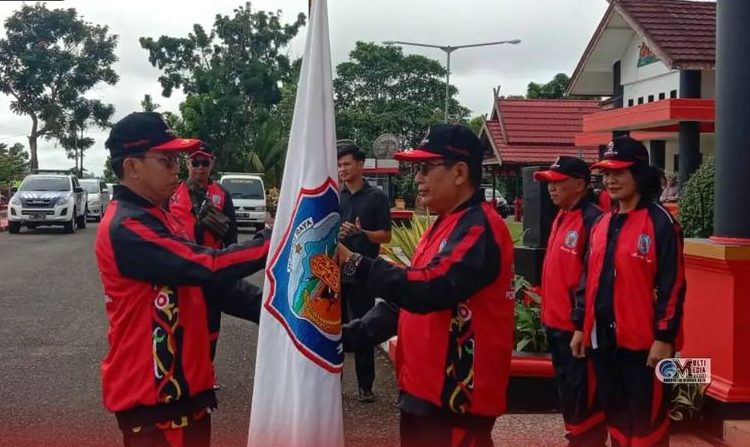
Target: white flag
point(297, 392)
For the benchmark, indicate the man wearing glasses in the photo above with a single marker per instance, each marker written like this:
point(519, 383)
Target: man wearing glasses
point(455, 323)
point(158, 376)
point(207, 212)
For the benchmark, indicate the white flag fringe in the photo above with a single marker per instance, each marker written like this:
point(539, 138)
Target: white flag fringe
point(297, 390)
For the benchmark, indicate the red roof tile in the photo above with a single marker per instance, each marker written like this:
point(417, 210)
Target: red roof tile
point(683, 31)
point(527, 131)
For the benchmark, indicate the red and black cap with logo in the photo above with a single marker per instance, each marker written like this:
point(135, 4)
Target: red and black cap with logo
point(563, 168)
point(445, 142)
point(203, 152)
point(140, 132)
point(623, 152)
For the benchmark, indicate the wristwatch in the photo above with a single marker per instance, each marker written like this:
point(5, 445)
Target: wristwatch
point(350, 267)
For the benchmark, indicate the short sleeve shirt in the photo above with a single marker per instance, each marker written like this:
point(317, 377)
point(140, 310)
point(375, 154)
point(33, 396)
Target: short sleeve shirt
point(371, 206)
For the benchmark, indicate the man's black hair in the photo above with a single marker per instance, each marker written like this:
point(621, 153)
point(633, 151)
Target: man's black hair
point(349, 147)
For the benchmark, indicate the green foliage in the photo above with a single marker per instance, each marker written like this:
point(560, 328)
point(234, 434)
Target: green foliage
point(382, 90)
point(233, 76)
point(476, 123)
point(109, 176)
point(84, 114)
point(406, 188)
point(48, 60)
point(14, 163)
point(554, 89)
point(404, 239)
point(696, 203)
point(148, 104)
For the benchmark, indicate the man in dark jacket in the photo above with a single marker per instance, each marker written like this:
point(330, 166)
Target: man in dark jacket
point(455, 323)
point(567, 181)
point(158, 376)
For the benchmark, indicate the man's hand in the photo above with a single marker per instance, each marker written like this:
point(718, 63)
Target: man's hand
point(576, 345)
point(214, 220)
point(348, 229)
point(659, 351)
point(341, 255)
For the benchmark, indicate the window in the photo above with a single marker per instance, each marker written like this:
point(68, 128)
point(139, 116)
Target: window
point(640, 100)
point(662, 96)
point(90, 186)
point(673, 94)
point(244, 188)
point(45, 184)
point(650, 98)
point(630, 102)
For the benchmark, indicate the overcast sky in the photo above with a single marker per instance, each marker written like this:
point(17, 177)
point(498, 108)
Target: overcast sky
point(554, 34)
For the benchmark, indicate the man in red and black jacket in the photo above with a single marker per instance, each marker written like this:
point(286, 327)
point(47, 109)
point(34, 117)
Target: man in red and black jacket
point(207, 212)
point(158, 376)
point(629, 312)
point(455, 324)
point(567, 181)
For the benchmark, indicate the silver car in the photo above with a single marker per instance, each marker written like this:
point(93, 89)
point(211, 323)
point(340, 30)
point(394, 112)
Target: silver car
point(99, 197)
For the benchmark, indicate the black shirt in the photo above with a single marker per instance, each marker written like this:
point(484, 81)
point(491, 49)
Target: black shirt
point(371, 205)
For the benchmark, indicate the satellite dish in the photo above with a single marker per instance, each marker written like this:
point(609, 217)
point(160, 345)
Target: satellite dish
point(385, 145)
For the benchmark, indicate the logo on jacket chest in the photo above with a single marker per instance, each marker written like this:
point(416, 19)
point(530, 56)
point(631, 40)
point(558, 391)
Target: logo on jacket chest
point(570, 242)
point(643, 247)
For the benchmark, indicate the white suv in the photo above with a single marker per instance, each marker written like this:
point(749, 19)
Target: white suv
point(48, 199)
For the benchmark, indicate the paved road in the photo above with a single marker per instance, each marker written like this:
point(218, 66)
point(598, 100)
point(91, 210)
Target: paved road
point(53, 329)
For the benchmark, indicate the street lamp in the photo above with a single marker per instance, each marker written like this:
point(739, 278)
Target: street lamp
point(448, 50)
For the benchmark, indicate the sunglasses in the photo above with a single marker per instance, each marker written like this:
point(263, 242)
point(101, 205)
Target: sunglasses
point(198, 163)
point(425, 167)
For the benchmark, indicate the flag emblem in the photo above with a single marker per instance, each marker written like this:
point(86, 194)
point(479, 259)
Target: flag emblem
point(304, 280)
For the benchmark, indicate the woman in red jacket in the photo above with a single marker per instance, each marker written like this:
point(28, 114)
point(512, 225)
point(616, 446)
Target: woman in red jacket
point(630, 310)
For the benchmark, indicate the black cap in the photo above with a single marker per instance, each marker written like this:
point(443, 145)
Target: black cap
point(563, 168)
point(446, 141)
point(623, 152)
point(143, 131)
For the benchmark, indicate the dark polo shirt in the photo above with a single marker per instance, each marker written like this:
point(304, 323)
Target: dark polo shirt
point(371, 205)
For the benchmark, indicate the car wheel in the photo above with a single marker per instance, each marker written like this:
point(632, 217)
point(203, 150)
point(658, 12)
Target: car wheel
point(81, 221)
point(14, 227)
point(70, 226)
point(98, 217)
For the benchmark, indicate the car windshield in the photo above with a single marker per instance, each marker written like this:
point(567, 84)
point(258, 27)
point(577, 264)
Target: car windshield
point(90, 187)
point(243, 188)
point(45, 184)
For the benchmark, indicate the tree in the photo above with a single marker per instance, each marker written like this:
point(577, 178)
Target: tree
point(109, 175)
point(476, 123)
point(381, 90)
point(85, 113)
point(554, 89)
point(14, 162)
point(48, 60)
point(148, 104)
point(232, 76)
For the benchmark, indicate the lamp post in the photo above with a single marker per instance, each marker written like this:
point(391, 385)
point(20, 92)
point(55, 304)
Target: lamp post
point(448, 49)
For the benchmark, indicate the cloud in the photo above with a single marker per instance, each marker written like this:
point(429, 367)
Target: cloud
point(554, 34)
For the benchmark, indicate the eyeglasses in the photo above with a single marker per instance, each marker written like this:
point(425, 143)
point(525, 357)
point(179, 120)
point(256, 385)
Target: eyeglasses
point(425, 167)
point(168, 161)
point(198, 163)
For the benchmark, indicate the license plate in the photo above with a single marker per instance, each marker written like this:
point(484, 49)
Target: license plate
point(38, 216)
point(244, 214)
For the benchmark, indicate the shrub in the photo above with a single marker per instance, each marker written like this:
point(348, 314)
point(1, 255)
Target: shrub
point(696, 202)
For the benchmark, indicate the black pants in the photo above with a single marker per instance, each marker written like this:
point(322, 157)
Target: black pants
point(357, 300)
point(196, 434)
point(576, 385)
point(635, 402)
point(445, 430)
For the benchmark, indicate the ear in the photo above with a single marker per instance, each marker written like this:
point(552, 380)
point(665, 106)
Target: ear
point(462, 173)
point(130, 169)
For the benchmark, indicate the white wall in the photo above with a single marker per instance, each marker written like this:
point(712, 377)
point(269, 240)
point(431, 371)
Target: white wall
point(651, 79)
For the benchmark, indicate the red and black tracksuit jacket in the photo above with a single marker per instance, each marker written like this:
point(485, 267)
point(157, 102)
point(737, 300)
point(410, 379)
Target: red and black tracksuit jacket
point(158, 366)
point(634, 294)
point(183, 205)
point(561, 277)
point(455, 324)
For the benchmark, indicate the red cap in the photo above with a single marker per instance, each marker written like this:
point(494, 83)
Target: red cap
point(179, 144)
point(201, 152)
point(612, 164)
point(550, 176)
point(416, 155)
